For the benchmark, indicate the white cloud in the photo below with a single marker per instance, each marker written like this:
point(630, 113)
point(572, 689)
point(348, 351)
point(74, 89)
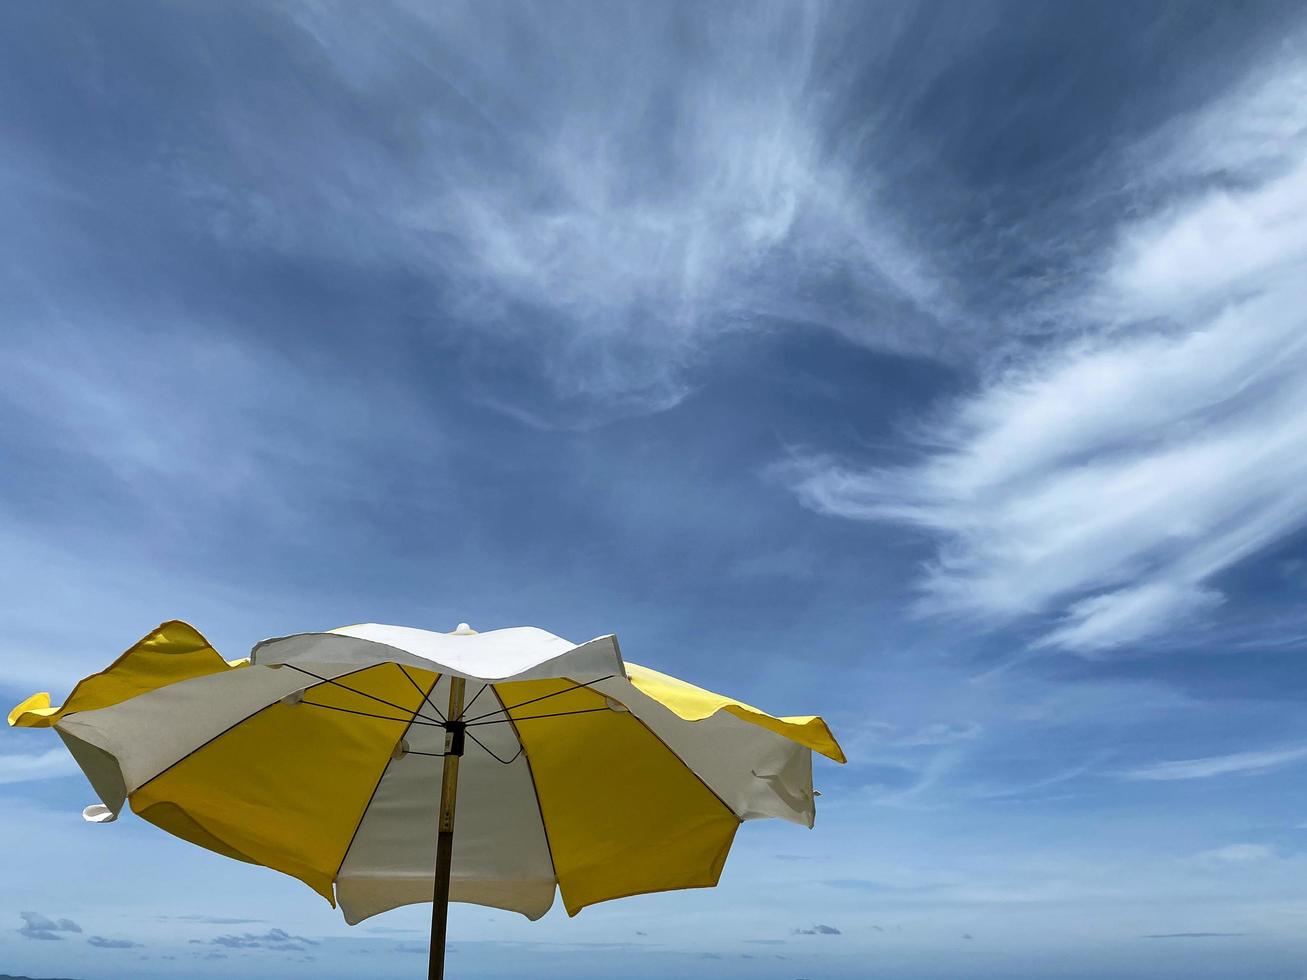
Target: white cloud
point(1236, 854)
point(242, 404)
point(26, 768)
point(639, 268)
point(1225, 242)
point(1110, 482)
point(649, 192)
point(938, 733)
point(1240, 763)
point(1130, 615)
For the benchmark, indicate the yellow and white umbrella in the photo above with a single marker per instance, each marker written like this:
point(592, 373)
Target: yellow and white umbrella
point(336, 758)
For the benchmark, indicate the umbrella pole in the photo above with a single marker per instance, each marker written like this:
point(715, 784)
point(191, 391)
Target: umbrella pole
point(445, 839)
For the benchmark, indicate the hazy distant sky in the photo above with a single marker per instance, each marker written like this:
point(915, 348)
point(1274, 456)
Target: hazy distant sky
point(938, 368)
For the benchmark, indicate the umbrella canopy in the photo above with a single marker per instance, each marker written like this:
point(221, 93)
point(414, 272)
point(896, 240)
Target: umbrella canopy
point(321, 756)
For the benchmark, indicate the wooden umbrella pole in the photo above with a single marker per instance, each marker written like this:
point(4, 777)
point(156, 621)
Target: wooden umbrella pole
point(454, 735)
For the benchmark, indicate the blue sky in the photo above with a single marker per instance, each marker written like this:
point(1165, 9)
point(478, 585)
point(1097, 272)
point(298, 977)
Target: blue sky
point(937, 368)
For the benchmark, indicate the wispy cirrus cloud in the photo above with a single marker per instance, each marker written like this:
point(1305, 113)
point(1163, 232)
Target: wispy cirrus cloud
point(1237, 763)
point(51, 764)
point(658, 189)
point(67, 386)
point(1193, 935)
point(1236, 854)
point(1109, 483)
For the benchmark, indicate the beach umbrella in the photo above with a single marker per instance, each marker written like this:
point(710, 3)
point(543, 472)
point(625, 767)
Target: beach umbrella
point(386, 765)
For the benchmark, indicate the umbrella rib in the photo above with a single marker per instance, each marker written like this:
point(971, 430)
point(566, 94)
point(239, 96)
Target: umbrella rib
point(426, 695)
point(415, 720)
point(478, 694)
point(513, 707)
point(441, 755)
point(490, 752)
point(364, 694)
point(556, 714)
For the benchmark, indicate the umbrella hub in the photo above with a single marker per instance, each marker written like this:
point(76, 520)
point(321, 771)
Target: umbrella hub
point(457, 731)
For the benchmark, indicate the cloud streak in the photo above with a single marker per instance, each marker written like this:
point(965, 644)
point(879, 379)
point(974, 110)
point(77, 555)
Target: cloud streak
point(1238, 763)
point(658, 192)
point(1107, 486)
point(51, 764)
point(278, 940)
point(100, 942)
point(1193, 935)
point(820, 929)
point(1236, 854)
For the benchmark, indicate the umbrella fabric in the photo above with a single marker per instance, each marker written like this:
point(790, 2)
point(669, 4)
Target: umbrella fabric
point(320, 756)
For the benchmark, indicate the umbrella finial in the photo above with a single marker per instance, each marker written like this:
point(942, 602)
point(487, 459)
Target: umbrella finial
point(464, 630)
